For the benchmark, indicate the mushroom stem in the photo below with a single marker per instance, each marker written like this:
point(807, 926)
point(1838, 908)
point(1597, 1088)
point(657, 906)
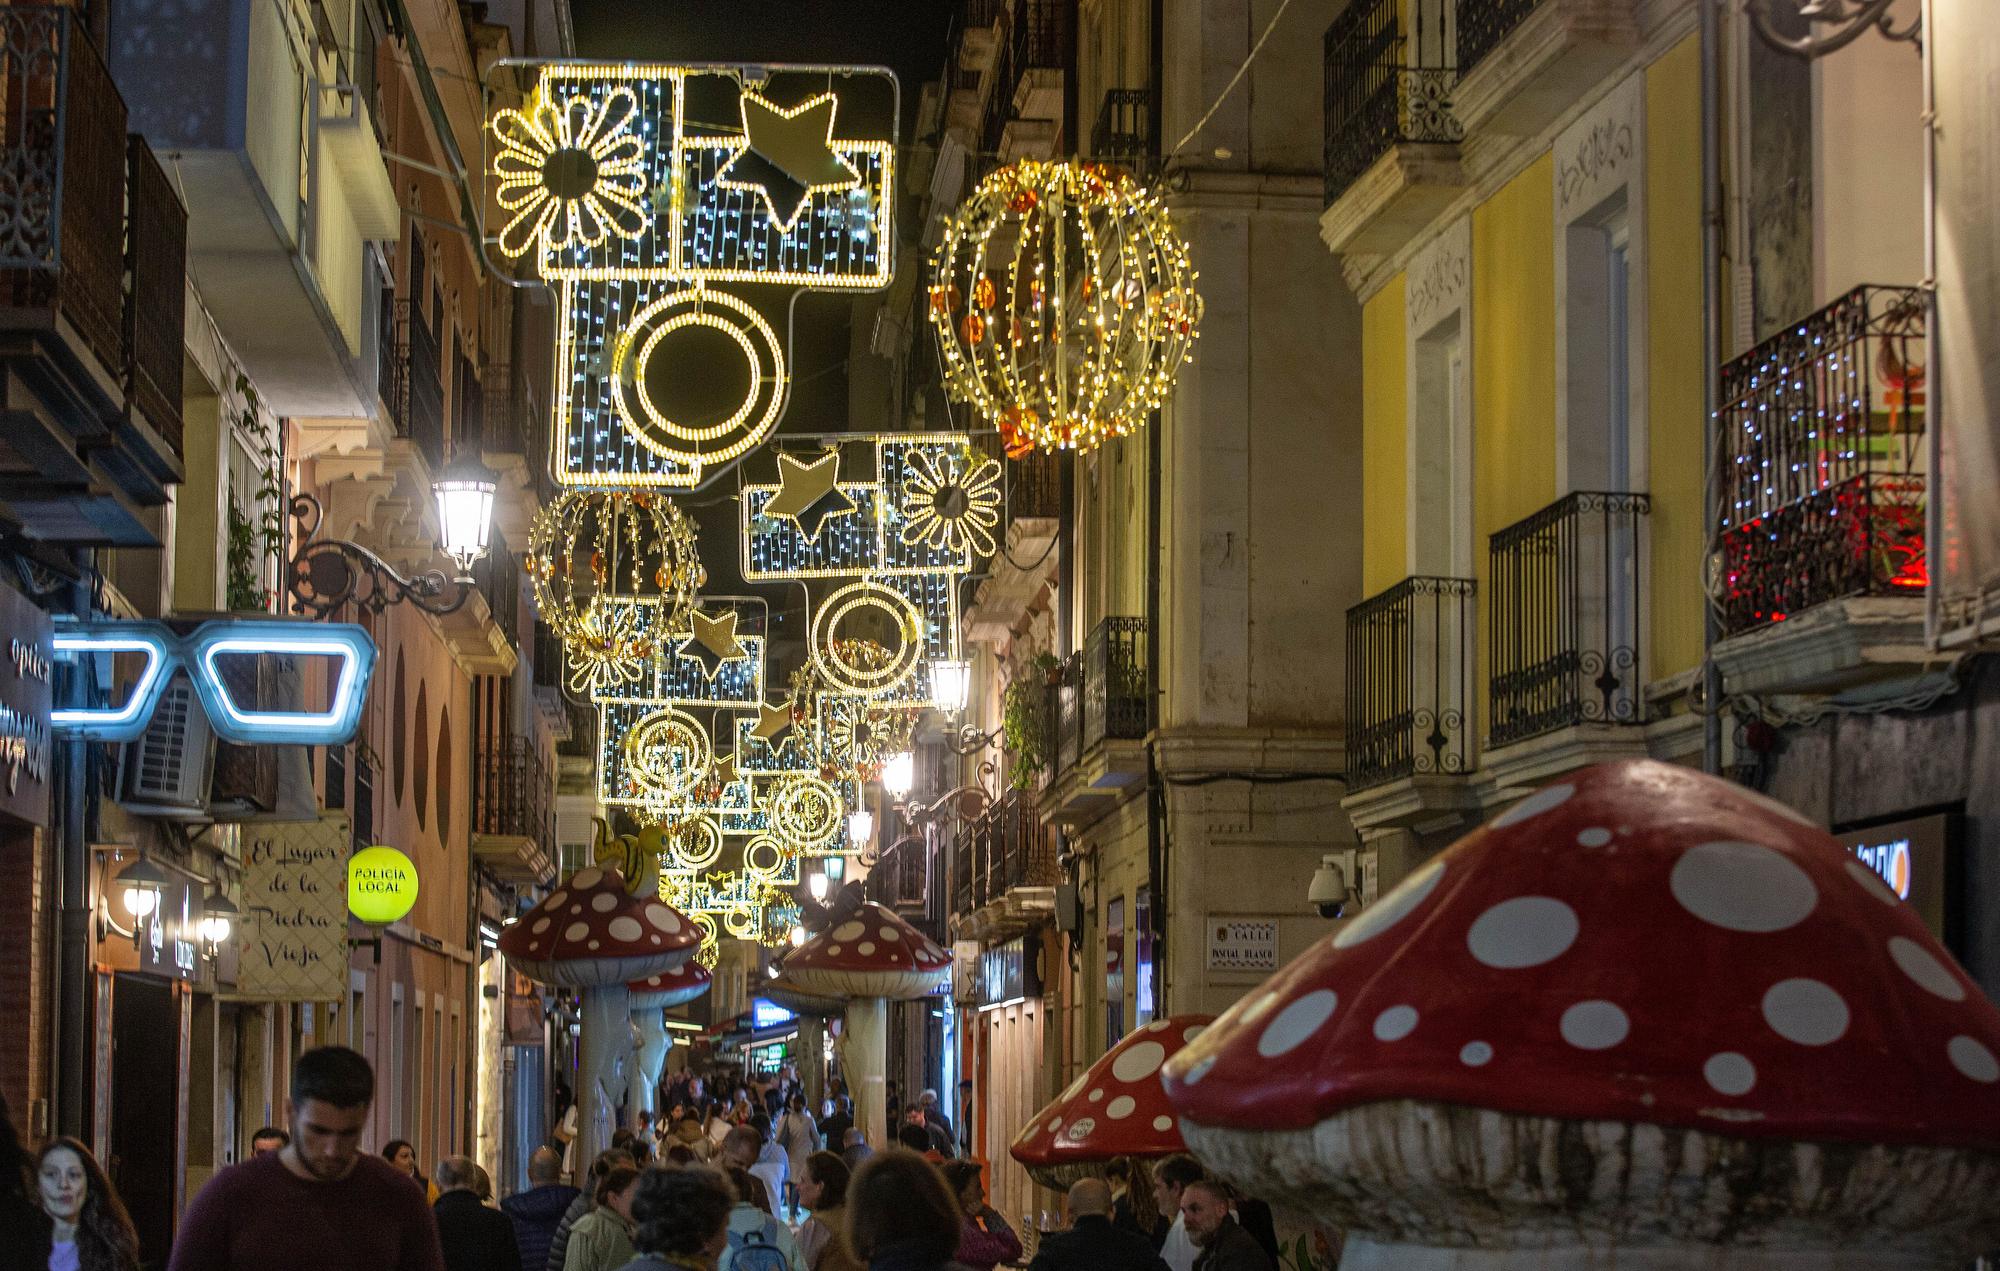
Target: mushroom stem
point(602, 1066)
point(655, 1042)
point(812, 1065)
point(865, 1056)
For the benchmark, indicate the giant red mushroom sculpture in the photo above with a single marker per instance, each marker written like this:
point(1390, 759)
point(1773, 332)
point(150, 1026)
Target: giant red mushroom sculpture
point(650, 998)
point(1643, 1017)
point(591, 934)
point(866, 957)
point(1116, 1108)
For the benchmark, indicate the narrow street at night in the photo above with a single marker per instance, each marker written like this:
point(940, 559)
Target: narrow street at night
point(958, 635)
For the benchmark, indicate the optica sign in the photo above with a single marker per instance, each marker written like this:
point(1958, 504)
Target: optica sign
point(381, 885)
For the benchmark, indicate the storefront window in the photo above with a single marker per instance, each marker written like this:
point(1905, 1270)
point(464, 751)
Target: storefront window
point(1114, 971)
point(1142, 984)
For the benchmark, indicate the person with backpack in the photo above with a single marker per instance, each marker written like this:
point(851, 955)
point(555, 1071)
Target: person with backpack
point(757, 1240)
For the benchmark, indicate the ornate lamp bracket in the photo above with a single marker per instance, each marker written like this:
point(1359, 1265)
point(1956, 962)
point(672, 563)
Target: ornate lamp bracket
point(970, 741)
point(326, 573)
point(1831, 25)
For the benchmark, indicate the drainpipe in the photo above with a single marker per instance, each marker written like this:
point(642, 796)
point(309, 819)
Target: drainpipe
point(1933, 381)
point(1711, 387)
point(1156, 796)
point(73, 961)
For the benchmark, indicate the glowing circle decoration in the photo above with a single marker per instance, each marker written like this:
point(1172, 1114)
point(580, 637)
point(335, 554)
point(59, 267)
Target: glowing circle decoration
point(587, 546)
point(1064, 304)
point(866, 667)
point(806, 812)
point(381, 885)
point(653, 421)
point(666, 754)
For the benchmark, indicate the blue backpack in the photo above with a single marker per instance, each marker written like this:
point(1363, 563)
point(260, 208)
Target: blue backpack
point(757, 1250)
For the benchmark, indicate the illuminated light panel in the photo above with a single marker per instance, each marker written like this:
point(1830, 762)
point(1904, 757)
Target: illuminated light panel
point(693, 224)
point(197, 654)
point(569, 170)
point(745, 427)
point(849, 674)
point(878, 539)
point(674, 680)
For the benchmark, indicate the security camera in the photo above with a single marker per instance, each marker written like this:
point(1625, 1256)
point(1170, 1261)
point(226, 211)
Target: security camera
point(1329, 893)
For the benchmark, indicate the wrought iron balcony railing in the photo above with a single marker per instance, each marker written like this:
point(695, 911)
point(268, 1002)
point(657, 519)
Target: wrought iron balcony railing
point(901, 878)
point(1005, 848)
point(515, 795)
point(1034, 486)
point(1564, 617)
point(1102, 691)
point(499, 575)
point(1409, 655)
point(416, 386)
point(1821, 453)
point(1038, 36)
point(362, 821)
point(1388, 80)
point(1482, 26)
point(1124, 128)
point(84, 206)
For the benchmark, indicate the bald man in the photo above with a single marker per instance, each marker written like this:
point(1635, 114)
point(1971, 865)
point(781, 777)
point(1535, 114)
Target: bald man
point(1092, 1243)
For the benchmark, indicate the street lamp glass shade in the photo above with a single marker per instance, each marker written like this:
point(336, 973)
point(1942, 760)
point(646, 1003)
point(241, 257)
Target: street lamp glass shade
point(836, 867)
point(465, 510)
point(951, 685)
point(860, 827)
point(798, 936)
point(899, 774)
point(817, 884)
point(217, 915)
point(139, 887)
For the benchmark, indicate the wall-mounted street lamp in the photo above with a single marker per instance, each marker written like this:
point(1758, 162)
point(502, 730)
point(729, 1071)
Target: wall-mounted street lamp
point(1830, 25)
point(899, 775)
point(218, 917)
point(328, 572)
point(860, 828)
point(951, 685)
point(137, 887)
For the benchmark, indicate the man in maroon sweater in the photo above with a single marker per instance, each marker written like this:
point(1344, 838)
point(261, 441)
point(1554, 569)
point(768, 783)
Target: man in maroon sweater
point(320, 1204)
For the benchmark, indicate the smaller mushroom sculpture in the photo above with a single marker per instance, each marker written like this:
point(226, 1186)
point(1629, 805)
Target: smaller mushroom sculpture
point(592, 935)
point(1643, 1018)
point(867, 957)
point(1117, 1108)
point(650, 998)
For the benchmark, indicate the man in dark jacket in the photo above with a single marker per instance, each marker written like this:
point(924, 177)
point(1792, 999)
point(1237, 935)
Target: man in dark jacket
point(474, 1237)
point(1092, 1243)
point(537, 1211)
point(1224, 1245)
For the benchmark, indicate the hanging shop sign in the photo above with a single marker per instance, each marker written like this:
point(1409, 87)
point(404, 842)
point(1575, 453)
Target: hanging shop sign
point(381, 885)
point(1235, 945)
point(1919, 858)
point(1008, 973)
point(294, 945)
point(24, 708)
point(212, 655)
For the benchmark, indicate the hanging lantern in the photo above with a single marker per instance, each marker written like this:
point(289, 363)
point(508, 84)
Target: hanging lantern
point(615, 574)
point(1064, 304)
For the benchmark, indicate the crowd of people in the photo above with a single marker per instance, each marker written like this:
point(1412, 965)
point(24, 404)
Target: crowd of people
point(753, 1182)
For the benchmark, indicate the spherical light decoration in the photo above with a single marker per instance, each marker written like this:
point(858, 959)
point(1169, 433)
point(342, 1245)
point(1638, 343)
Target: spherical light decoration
point(805, 812)
point(1064, 304)
point(586, 548)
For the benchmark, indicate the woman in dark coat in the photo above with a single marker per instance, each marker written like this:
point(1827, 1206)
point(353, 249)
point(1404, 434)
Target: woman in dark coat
point(24, 1228)
point(900, 1214)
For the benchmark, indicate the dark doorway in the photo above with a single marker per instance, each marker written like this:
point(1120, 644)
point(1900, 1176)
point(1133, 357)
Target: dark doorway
point(146, 1051)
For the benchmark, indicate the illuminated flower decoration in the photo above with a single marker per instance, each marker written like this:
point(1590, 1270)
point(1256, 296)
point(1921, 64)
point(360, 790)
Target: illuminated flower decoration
point(570, 172)
point(951, 504)
point(860, 735)
point(1089, 353)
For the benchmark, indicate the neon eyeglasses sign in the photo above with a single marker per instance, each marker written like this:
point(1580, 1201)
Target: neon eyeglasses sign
point(199, 654)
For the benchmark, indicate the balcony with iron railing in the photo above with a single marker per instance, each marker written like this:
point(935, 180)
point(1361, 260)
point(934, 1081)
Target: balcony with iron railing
point(1821, 462)
point(92, 271)
point(1123, 133)
point(1024, 108)
point(415, 388)
point(1099, 708)
point(1391, 139)
point(1409, 703)
point(1002, 865)
point(901, 879)
point(1521, 63)
point(499, 577)
point(514, 818)
point(1565, 619)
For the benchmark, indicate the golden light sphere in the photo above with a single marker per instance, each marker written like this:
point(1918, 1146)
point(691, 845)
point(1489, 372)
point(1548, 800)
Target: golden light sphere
point(615, 574)
point(1064, 304)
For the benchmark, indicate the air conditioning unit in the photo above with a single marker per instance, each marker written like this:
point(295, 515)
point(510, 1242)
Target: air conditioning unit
point(168, 771)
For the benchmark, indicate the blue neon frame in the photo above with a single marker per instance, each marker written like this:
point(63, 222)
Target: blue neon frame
point(197, 653)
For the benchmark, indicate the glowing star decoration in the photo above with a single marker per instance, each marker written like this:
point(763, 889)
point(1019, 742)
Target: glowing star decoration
point(712, 642)
point(723, 770)
point(773, 724)
point(1064, 304)
point(951, 504)
point(808, 493)
point(569, 171)
point(796, 147)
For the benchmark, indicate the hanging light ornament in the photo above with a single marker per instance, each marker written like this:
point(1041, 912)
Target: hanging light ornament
point(1064, 304)
point(615, 574)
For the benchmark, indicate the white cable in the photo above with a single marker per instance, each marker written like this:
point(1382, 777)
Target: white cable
point(1234, 80)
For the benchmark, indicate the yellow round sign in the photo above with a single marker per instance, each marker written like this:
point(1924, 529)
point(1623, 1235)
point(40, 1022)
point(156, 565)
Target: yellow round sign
point(381, 884)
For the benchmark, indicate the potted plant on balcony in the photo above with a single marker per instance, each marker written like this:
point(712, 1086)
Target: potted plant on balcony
point(1024, 719)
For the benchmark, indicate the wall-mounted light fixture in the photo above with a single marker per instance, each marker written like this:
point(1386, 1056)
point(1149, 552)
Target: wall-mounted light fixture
point(218, 918)
point(328, 572)
point(1830, 25)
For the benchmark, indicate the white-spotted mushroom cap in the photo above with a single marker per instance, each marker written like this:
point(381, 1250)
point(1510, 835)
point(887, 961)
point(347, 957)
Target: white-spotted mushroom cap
point(781, 992)
point(684, 983)
point(1116, 1108)
point(872, 953)
point(590, 932)
point(1639, 943)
